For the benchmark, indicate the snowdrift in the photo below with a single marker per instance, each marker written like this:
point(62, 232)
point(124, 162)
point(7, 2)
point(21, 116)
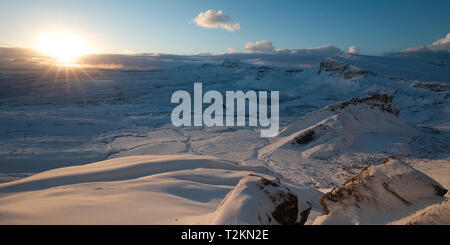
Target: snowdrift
point(380, 194)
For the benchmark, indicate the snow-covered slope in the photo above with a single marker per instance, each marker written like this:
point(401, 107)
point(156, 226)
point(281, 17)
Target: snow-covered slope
point(183, 189)
point(437, 214)
point(189, 189)
point(131, 190)
point(338, 115)
point(365, 124)
point(380, 194)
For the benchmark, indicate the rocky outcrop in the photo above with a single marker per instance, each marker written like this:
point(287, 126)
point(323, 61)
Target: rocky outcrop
point(355, 72)
point(305, 137)
point(330, 65)
point(380, 101)
point(432, 86)
point(259, 200)
point(344, 127)
point(349, 72)
point(378, 193)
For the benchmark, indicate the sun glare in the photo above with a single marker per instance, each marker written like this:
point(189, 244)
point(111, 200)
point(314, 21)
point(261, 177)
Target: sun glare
point(64, 48)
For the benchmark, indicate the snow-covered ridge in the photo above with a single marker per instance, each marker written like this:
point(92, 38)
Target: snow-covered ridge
point(342, 127)
point(121, 169)
point(381, 101)
point(433, 86)
point(258, 200)
point(380, 194)
point(349, 72)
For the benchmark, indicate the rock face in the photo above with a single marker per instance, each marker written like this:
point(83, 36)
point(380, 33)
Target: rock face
point(258, 200)
point(380, 101)
point(348, 71)
point(330, 65)
point(305, 137)
point(380, 194)
point(432, 86)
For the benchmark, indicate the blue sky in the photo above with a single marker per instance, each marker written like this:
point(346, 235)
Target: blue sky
point(167, 26)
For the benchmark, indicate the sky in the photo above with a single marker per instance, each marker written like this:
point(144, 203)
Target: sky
point(171, 26)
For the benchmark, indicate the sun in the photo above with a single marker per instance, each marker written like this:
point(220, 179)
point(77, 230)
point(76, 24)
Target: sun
point(65, 48)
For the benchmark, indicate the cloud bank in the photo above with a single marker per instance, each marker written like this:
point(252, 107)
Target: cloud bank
point(29, 59)
point(216, 19)
point(437, 50)
point(442, 44)
point(264, 53)
point(260, 47)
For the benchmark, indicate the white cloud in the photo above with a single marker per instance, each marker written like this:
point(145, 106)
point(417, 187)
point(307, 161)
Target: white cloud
point(260, 47)
point(353, 50)
point(441, 44)
point(216, 19)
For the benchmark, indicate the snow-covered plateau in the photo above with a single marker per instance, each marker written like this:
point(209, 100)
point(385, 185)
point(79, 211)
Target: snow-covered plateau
point(363, 140)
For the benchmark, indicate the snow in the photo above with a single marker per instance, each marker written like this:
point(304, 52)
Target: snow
point(433, 215)
point(380, 194)
point(256, 200)
point(131, 190)
point(100, 149)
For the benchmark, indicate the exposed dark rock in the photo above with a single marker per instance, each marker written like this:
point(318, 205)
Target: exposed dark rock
point(348, 71)
point(440, 191)
point(270, 200)
point(381, 101)
point(305, 214)
point(330, 65)
point(304, 138)
point(433, 86)
point(387, 186)
point(353, 72)
point(286, 211)
point(289, 72)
